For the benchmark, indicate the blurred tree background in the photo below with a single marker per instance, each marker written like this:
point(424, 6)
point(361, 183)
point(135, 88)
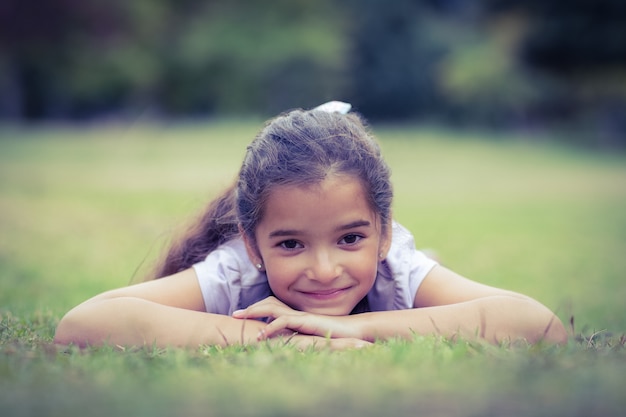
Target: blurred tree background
point(499, 63)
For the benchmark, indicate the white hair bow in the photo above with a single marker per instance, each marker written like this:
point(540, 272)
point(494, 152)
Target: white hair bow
point(335, 107)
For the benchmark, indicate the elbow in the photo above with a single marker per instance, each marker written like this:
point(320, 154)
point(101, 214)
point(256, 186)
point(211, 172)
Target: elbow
point(543, 326)
point(68, 331)
point(101, 322)
point(81, 326)
point(531, 321)
point(554, 332)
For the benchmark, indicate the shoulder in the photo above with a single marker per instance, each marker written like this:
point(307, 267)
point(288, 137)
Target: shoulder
point(228, 278)
point(403, 256)
point(400, 274)
point(229, 261)
point(401, 237)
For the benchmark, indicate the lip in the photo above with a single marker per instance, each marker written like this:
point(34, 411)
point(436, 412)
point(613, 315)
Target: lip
point(326, 294)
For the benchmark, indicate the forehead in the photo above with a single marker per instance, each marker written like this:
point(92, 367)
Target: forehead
point(334, 200)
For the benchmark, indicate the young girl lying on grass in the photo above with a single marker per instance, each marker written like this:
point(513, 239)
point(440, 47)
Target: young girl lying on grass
point(303, 247)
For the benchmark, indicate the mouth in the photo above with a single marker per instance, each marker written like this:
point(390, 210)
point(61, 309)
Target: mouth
point(326, 294)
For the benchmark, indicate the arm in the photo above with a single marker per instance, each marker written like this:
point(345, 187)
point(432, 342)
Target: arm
point(168, 311)
point(446, 304)
point(478, 310)
point(495, 319)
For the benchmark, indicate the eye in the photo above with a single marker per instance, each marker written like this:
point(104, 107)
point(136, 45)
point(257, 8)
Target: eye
point(350, 239)
point(290, 244)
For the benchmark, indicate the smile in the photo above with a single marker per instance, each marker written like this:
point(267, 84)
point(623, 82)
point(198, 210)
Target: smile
point(327, 294)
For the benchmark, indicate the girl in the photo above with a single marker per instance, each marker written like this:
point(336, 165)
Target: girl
point(303, 246)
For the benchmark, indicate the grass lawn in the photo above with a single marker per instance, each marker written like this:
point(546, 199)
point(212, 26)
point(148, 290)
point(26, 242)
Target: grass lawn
point(86, 209)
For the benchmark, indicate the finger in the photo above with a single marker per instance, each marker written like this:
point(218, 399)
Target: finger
point(301, 323)
point(269, 307)
point(265, 306)
point(348, 343)
point(243, 314)
point(271, 300)
point(256, 310)
point(259, 311)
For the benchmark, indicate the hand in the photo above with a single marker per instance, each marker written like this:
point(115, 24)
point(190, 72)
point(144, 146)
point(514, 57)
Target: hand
point(284, 318)
point(270, 307)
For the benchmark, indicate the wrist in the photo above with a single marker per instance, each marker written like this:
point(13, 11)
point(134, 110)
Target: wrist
point(356, 326)
point(231, 331)
point(373, 326)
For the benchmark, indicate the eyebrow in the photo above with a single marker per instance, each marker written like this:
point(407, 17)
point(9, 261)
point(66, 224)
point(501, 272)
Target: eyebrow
point(354, 225)
point(294, 232)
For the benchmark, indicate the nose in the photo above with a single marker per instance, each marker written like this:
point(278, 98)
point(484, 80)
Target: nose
point(324, 268)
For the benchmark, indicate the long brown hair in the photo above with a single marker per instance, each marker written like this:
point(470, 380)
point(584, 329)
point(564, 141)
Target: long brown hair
point(296, 148)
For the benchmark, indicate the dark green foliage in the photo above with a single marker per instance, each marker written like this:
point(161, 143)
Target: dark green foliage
point(575, 35)
point(385, 59)
point(497, 63)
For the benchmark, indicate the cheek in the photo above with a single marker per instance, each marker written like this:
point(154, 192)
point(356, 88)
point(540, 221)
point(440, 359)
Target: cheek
point(280, 274)
point(363, 267)
point(367, 271)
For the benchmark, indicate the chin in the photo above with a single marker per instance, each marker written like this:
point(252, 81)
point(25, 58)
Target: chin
point(329, 311)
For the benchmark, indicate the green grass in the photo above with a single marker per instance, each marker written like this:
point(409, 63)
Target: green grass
point(85, 209)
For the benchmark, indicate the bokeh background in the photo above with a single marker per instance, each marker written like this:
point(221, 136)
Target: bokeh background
point(523, 64)
point(504, 122)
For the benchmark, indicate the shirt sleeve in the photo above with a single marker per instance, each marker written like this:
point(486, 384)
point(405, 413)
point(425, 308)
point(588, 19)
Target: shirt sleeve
point(228, 280)
point(215, 276)
point(400, 274)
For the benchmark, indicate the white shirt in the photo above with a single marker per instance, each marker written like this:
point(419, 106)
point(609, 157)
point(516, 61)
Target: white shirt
point(229, 281)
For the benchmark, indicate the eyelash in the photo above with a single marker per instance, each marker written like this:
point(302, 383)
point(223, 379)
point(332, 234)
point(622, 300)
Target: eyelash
point(284, 242)
point(293, 241)
point(355, 235)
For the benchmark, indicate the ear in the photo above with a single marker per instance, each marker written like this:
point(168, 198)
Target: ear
point(252, 250)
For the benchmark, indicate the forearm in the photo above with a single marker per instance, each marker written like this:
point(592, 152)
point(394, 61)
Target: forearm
point(128, 321)
point(495, 319)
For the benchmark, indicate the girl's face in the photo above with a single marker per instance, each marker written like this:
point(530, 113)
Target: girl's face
point(320, 245)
